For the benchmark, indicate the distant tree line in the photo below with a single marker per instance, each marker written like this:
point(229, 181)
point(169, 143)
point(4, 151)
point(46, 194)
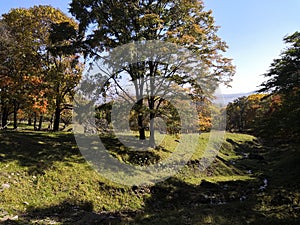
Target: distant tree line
point(168, 119)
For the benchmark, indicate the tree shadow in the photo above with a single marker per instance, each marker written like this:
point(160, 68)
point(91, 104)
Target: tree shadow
point(70, 212)
point(256, 201)
point(173, 201)
point(136, 155)
point(38, 150)
point(177, 202)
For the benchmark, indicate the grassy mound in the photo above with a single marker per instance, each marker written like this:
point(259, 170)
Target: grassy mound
point(45, 180)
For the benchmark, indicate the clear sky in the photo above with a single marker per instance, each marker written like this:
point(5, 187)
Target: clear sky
point(253, 29)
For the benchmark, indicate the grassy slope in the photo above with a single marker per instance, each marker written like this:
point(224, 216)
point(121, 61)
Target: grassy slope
point(50, 182)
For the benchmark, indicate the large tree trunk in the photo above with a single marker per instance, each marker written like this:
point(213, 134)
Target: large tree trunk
point(4, 117)
point(40, 122)
point(139, 104)
point(34, 122)
point(141, 127)
point(152, 139)
point(151, 104)
point(15, 114)
point(56, 118)
point(152, 117)
point(29, 121)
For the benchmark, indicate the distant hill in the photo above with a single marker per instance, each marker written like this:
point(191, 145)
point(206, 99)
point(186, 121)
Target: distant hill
point(226, 98)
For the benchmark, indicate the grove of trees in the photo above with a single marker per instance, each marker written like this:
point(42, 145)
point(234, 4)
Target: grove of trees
point(37, 76)
point(43, 51)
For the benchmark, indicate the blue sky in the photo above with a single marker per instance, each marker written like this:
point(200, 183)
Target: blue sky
point(253, 29)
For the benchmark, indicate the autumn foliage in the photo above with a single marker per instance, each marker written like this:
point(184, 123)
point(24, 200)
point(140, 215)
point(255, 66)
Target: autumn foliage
point(34, 79)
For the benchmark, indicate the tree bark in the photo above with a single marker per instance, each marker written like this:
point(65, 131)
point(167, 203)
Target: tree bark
point(15, 114)
point(151, 103)
point(140, 118)
point(141, 127)
point(40, 122)
point(152, 130)
point(4, 117)
point(51, 123)
point(29, 121)
point(56, 118)
point(34, 121)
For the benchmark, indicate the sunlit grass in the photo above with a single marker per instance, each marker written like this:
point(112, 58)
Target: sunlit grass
point(41, 170)
point(39, 182)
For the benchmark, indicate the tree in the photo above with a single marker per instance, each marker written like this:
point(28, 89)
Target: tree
point(6, 41)
point(246, 113)
point(67, 67)
point(183, 22)
point(284, 81)
point(36, 31)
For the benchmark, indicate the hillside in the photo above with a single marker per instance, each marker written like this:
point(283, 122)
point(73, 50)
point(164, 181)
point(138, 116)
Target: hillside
point(45, 180)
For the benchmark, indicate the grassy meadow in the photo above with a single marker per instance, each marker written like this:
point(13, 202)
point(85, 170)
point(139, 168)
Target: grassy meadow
point(45, 180)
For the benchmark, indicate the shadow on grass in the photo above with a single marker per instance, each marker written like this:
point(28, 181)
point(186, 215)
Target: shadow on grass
point(176, 202)
point(70, 212)
point(172, 201)
point(38, 150)
point(233, 202)
point(141, 157)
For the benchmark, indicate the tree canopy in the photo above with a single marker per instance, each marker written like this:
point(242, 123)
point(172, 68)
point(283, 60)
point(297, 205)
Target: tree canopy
point(184, 22)
point(35, 79)
point(107, 25)
point(284, 81)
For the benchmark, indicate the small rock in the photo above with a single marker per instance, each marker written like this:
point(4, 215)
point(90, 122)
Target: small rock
point(5, 218)
point(243, 198)
point(263, 187)
point(5, 186)
point(246, 155)
point(14, 217)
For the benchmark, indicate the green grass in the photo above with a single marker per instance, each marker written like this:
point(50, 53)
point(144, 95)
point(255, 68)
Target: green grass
point(44, 169)
point(50, 182)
